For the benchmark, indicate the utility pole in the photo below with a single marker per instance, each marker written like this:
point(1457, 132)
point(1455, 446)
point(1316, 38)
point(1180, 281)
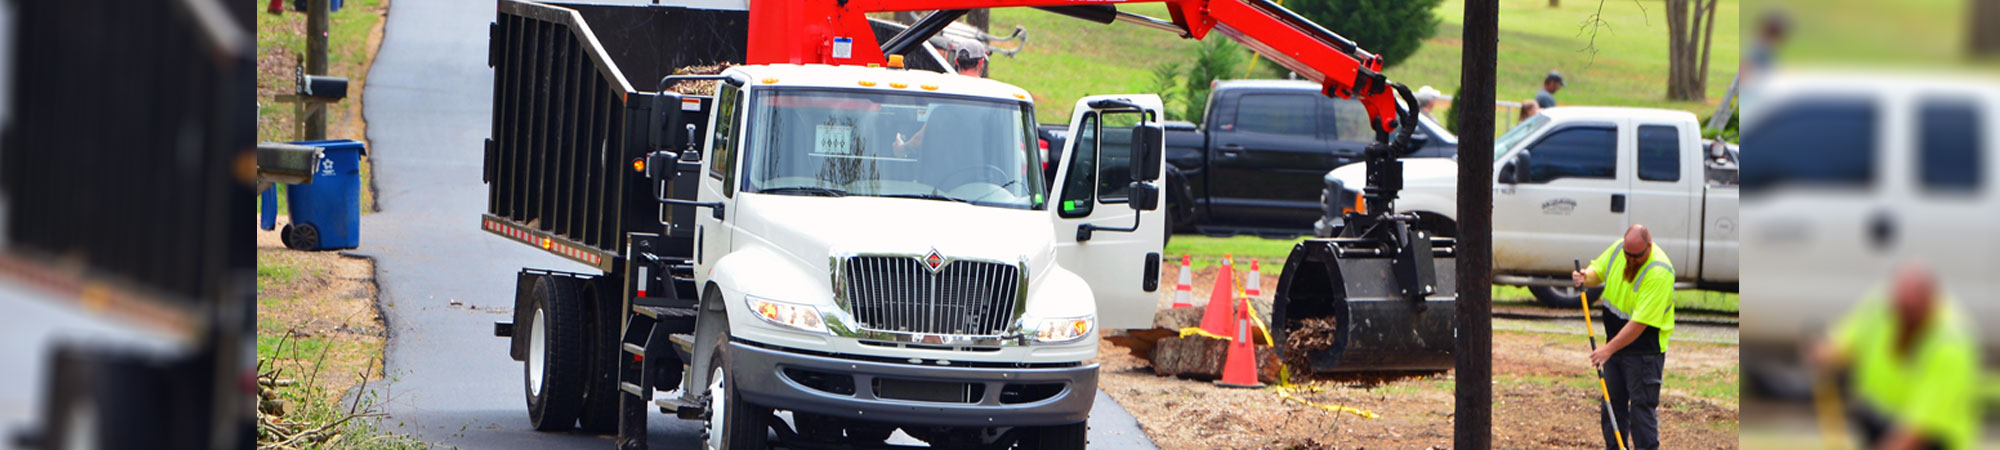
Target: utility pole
point(318, 22)
point(1472, 419)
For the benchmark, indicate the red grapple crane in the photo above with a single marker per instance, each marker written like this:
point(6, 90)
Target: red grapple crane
point(837, 32)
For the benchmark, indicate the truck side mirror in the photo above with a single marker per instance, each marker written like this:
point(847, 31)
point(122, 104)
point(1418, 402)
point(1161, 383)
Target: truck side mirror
point(1522, 173)
point(1144, 196)
point(1147, 139)
point(1507, 174)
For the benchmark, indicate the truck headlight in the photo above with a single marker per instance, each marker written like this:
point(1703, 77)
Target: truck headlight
point(1064, 329)
point(796, 316)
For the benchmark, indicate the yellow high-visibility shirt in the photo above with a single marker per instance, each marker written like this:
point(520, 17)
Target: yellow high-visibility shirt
point(1647, 298)
point(1934, 387)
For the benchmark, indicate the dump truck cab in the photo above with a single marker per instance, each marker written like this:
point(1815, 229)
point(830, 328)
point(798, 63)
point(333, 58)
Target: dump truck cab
point(884, 251)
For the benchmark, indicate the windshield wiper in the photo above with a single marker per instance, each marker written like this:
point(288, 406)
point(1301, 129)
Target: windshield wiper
point(815, 190)
point(931, 196)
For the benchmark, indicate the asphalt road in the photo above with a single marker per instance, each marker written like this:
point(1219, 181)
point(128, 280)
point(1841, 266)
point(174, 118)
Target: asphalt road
point(450, 382)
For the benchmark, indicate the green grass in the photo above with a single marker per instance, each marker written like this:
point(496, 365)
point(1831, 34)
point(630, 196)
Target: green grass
point(275, 273)
point(1881, 34)
point(1209, 251)
point(1069, 58)
point(1629, 68)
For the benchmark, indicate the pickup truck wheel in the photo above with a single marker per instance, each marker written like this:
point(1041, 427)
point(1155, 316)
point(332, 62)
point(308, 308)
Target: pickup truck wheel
point(1561, 297)
point(731, 423)
point(1056, 437)
point(553, 371)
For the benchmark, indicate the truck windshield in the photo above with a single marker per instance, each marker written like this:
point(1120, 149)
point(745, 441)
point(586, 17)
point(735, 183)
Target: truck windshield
point(885, 144)
point(1514, 136)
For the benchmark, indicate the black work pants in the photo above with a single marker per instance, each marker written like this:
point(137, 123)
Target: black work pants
point(1634, 382)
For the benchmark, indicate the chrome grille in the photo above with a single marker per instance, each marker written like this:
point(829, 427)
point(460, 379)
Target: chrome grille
point(896, 293)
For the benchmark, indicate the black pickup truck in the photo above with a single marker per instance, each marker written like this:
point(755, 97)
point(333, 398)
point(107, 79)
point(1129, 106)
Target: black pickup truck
point(1256, 165)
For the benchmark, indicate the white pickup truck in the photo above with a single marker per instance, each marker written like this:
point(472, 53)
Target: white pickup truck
point(1567, 183)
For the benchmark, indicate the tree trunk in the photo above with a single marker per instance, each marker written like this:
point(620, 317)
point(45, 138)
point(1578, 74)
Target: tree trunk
point(1985, 38)
point(1686, 59)
point(980, 18)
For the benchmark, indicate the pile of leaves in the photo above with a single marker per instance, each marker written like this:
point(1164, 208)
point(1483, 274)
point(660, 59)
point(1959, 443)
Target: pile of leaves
point(699, 87)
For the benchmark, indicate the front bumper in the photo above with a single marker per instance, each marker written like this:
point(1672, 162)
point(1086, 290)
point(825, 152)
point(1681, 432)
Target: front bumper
point(996, 396)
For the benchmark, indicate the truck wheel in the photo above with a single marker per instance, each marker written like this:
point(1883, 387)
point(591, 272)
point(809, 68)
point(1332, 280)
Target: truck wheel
point(731, 423)
point(1561, 297)
point(1060, 437)
point(554, 369)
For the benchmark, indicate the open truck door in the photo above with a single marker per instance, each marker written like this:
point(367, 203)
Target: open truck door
point(1108, 225)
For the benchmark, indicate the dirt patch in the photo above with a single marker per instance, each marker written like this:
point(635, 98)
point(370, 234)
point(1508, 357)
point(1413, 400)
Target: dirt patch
point(320, 306)
point(1540, 401)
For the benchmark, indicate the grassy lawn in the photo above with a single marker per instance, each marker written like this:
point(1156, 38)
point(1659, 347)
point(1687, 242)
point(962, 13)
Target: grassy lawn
point(1069, 58)
point(1629, 69)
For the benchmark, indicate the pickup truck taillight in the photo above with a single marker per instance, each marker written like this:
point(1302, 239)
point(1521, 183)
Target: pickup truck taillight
point(1044, 144)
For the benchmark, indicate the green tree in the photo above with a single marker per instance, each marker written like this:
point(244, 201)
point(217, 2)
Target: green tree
point(1392, 29)
point(1217, 58)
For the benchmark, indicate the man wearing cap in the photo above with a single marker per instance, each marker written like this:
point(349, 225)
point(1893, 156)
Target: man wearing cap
point(1427, 100)
point(1638, 316)
point(1546, 98)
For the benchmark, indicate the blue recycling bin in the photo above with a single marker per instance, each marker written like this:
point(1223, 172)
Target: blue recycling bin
point(326, 214)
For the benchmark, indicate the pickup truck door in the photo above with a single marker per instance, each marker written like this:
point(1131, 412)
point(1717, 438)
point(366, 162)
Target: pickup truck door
point(1665, 186)
point(1092, 186)
point(1267, 160)
point(1562, 209)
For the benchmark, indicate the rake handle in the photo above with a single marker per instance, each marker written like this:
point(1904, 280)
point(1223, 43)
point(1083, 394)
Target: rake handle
point(1583, 296)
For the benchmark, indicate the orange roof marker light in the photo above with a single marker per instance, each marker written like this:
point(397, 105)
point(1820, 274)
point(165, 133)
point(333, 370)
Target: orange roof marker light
point(898, 85)
point(930, 87)
point(895, 61)
point(866, 83)
point(770, 80)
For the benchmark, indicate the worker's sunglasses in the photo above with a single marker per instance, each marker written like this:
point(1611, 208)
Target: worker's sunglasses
point(1629, 256)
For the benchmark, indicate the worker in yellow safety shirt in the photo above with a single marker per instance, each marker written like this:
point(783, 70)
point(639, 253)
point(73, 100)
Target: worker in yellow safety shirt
point(1638, 316)
point(1911, 363)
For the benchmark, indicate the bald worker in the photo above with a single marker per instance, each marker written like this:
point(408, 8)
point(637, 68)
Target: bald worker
point(1638, 315)
point(1912, 365)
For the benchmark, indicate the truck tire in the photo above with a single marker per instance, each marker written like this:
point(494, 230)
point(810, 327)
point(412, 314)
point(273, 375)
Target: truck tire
point(1561, 297)
point(729, 422)
point(553, 373)
point(1056, 437)
point(601, 394)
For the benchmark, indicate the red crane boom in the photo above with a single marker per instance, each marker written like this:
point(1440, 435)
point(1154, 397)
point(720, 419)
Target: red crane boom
point(837, 32)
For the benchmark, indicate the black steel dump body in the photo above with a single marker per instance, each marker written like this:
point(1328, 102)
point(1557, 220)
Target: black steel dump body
point(126, 167)
point(573, 91)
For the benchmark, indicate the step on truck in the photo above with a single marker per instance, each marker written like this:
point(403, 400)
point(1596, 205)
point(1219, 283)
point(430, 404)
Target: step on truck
point(823, 232)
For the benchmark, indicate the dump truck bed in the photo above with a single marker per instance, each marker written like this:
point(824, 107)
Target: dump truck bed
point(573, 87)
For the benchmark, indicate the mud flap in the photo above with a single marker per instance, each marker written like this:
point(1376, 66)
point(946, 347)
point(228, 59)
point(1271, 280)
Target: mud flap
point(1377, 328)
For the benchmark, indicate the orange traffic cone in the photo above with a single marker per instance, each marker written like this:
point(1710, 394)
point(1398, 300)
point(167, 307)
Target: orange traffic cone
point(1254, 288)
point(1239, 369)
point(1184, 291)
point(1219, 318)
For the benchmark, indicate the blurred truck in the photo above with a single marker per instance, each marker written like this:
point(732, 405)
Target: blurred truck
point(1849, 175)
point(1569, 182)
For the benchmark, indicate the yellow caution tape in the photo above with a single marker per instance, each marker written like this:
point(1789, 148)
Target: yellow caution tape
point(1286, 393)
point(1190, 331)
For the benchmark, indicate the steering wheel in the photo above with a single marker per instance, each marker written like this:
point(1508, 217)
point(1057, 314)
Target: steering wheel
point(992, 174)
